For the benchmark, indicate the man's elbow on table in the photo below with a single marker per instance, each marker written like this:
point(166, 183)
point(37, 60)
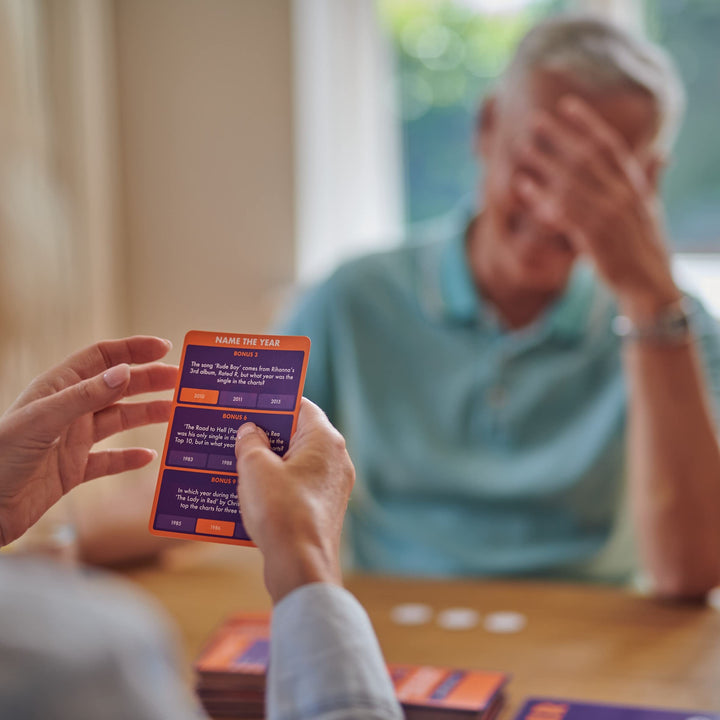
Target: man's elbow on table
point(686, 583)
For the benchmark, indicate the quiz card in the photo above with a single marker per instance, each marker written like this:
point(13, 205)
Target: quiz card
point(224, 381)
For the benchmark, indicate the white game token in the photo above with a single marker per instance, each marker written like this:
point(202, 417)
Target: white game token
point(505, 622)
point(411, 614)
point(458, 618)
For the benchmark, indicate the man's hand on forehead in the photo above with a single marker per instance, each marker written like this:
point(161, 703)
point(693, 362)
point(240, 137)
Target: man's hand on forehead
point(579, 177)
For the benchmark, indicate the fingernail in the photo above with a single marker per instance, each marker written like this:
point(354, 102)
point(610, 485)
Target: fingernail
point(154, 452)
point(168, 343)
point(246, 429)
point(116, 375)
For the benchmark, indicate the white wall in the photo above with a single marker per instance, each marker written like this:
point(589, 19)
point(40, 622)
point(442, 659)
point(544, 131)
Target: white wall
point(205, 145)
point(348, 145)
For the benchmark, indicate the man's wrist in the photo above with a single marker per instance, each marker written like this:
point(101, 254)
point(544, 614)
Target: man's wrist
point(304, 564)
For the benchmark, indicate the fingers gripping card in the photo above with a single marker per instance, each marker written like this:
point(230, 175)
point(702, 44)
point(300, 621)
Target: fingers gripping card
point(224, 381)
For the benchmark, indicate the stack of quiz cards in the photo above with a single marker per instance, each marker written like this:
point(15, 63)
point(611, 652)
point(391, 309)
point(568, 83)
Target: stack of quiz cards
point(231, 669)
point(553, 709)
point(224, 381)
point(433, 693)
point(231, 679)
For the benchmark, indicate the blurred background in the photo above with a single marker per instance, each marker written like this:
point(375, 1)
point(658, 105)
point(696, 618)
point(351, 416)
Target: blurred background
point(175, 164)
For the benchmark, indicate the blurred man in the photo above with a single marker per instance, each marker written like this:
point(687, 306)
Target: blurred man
point(504, 387)
point(79, 649)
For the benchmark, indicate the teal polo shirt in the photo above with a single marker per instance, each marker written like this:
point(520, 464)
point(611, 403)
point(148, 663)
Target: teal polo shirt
point(479, 451)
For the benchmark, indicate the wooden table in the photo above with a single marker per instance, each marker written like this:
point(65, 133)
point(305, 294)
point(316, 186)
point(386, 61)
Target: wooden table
point(581, 642)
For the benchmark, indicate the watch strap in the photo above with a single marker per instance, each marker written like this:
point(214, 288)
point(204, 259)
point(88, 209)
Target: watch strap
point(672, 325)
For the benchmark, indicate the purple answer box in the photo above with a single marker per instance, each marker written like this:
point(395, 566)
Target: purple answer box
point(273, 401)
point(222, 462)
point(186, 459)
point(175, 523)
point(238, 399)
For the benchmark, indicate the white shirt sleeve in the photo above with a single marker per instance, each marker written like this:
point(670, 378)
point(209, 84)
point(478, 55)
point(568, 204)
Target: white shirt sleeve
point(325, 661)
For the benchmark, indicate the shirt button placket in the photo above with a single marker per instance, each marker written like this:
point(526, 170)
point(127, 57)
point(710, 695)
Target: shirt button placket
point(496, 398)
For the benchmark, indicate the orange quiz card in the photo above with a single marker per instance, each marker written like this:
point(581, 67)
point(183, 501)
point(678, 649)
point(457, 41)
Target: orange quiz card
point(225, 380)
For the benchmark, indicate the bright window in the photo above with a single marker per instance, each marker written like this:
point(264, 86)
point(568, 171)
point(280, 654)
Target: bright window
point(689, 30)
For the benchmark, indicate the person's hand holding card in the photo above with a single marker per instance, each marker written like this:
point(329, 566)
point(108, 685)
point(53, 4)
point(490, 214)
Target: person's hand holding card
point(293, 507)
point(47, 435)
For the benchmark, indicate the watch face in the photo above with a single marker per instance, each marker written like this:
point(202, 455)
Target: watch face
point(674, 321)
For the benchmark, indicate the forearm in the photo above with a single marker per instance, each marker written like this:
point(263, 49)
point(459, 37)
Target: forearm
point(674, 467)
point(112, 522)
point(120, 540)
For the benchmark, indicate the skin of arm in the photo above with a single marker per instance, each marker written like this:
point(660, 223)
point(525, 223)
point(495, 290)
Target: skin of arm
point(293, 507)
point(111, 522)
point(585, 182)
point(47, 435)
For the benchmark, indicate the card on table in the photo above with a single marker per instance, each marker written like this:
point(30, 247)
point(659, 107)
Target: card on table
point(555, 709)
point(452, 692)
point(225, 380)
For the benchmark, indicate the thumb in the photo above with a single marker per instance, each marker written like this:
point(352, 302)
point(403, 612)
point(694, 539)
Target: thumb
point(56, 412)
point(252, 448)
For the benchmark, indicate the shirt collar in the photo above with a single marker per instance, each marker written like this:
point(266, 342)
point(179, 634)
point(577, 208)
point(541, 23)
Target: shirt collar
point(460, 298)
point(460, 301)
point(570, 314)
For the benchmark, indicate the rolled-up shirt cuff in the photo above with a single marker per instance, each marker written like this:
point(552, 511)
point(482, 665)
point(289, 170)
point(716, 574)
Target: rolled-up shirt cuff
point(325, 661)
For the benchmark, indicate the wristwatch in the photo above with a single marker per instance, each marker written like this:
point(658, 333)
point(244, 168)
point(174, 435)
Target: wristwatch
point(672, 326)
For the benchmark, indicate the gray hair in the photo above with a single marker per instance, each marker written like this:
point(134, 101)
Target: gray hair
point(603, 56)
